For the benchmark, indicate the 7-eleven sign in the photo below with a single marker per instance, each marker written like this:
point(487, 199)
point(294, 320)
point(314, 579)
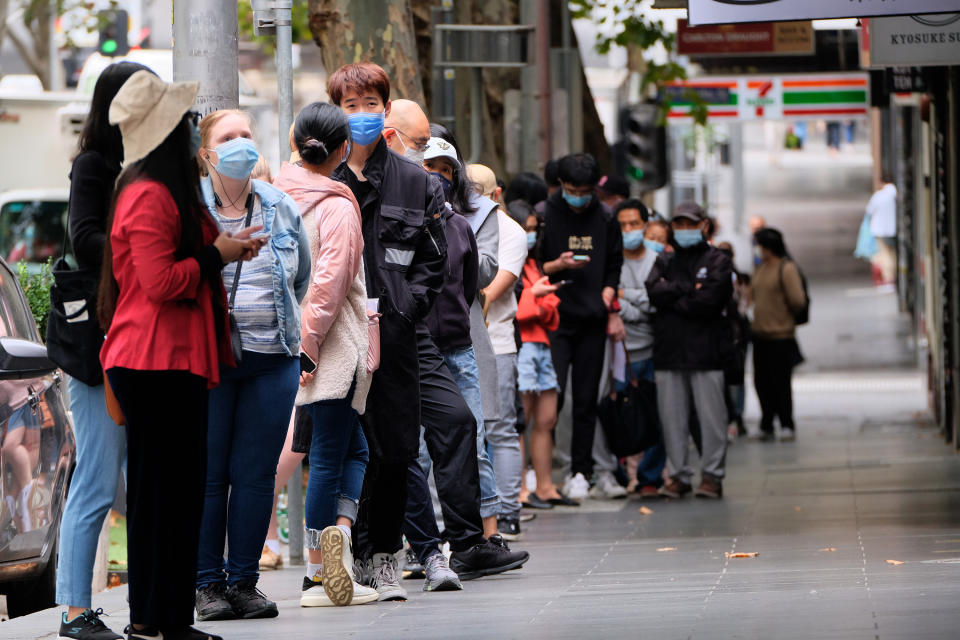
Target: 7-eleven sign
point(761, 100)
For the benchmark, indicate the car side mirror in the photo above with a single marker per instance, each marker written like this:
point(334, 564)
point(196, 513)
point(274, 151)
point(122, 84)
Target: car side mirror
point(23, 359)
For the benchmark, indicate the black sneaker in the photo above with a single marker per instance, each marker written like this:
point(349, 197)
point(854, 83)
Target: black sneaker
point(183, 633)
point(212, 603)
point(249, 602)
point(87, 626)
point(509, 527)
point(486, 559)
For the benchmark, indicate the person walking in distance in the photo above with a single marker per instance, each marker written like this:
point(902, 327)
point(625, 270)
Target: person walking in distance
point(582, 243)
point(101, 446)
point(778, 293)
point(690, 289)
point(163, 305)
point(882, 210)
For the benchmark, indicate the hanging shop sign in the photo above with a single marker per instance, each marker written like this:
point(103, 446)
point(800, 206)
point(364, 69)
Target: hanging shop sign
point(773, 38)
point(789, 97)
point(916, 41)
point(730, 11)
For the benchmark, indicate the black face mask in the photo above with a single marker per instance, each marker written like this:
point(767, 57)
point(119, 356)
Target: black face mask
point(446, 184)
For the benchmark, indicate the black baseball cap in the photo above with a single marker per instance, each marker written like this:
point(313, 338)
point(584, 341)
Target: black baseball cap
point(689, 210)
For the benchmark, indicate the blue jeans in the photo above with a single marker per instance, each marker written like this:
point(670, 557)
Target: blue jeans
point(101, 455)
point(650, 469)
point(338, 459)
point(248, 419)
point(462, 364)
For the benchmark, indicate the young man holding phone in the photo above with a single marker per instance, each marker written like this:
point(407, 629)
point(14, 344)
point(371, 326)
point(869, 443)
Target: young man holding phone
point(582, 243)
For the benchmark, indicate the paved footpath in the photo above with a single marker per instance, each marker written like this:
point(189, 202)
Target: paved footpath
point(868, 481)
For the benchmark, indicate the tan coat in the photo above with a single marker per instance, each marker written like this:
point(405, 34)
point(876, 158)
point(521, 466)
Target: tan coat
point(774, 301)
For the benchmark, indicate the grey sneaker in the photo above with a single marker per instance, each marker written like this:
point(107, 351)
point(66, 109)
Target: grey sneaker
point(383, 577)
point(440, 577)
point(360, 573)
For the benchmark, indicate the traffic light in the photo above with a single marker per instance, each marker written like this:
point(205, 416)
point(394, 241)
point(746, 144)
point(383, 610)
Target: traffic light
point(645, 142)
point(113, 33)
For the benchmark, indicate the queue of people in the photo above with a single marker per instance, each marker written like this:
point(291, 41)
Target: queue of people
point(394, 316)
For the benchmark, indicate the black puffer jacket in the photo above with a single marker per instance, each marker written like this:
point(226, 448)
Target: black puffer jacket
point(404, 257)
point(691, 330)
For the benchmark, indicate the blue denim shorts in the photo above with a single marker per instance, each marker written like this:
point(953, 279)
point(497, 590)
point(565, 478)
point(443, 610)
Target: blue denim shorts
point(535, 372)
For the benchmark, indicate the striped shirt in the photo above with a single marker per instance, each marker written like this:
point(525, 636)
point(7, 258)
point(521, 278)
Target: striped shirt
point(255, 308)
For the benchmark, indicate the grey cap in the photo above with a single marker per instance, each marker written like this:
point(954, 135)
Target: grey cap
point(690, 210)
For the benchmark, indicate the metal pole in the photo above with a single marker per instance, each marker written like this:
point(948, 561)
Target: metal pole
point(476, 115)
point(205, 50)
point(739, 193)
point(56, 69)
point(284, 59)
point(543, 77)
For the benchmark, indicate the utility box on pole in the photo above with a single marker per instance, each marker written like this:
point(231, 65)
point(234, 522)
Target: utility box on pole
point(205, 50)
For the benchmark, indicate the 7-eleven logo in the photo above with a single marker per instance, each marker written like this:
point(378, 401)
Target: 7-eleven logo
point(763, 97)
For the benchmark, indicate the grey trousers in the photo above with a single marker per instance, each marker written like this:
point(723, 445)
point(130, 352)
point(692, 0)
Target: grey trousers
point(674, 392)
point(503, 441)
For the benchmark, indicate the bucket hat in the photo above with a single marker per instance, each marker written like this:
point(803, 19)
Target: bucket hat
point(147, 110)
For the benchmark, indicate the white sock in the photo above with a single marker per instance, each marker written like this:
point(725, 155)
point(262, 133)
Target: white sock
point(346, 530)
point(273, 545)
point(313, 570)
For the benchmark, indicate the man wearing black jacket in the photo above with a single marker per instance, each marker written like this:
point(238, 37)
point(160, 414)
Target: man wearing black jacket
point(690, 290)
point(582, 245)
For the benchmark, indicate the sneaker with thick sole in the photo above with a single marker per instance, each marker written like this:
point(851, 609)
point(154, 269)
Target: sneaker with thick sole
point(212, 603)
point(412, 569)
point(486, 559)
point(312, 594)
point(183, 633)
point(577, 487)
point(787, 434)
point(439, 575)
point(674, 489)
point(250, 603)
point(607, 487)
point(86, 626)
point(337, 566)
point(509, 527)
point(383, 577)
point(710, 488)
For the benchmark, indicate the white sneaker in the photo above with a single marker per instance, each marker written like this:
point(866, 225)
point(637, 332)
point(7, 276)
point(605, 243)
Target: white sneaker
point(531, 480)
point(314, 595)
point(576, 487)
point(338, 580)
point(607, 487)
point(383, 577)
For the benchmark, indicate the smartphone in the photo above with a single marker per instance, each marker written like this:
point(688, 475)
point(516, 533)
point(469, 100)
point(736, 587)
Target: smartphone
point(580, 258)
point(562, 283)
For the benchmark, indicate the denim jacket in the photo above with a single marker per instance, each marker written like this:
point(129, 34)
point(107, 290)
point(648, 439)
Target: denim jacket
point(291, 251)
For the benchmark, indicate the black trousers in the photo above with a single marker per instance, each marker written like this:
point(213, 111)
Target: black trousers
point(420, 524)
point(580, 343)
point(451, 435)
point(166, 413)
point(773, 363)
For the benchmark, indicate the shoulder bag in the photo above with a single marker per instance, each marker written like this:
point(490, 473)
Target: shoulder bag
point(630, 418)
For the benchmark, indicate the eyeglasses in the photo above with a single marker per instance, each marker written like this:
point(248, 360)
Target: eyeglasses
point(419, 145)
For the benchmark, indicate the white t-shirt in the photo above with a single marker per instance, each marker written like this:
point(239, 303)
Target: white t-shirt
point(883, 212)
point(502, 311)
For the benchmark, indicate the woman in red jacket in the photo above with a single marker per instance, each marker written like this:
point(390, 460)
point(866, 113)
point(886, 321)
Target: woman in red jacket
point(163, 305)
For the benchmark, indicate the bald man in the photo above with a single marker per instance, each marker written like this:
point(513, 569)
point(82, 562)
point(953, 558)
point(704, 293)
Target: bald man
point(407, 129)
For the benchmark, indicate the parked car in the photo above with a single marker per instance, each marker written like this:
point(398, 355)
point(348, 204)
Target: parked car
point(37, 452)
point(33, 225)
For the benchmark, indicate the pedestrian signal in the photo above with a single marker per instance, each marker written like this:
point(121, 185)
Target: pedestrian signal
point(645, 145)
point(114, 25)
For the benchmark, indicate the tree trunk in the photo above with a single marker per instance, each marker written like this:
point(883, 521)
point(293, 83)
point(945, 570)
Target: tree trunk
point(32, 39)
point(379, 31)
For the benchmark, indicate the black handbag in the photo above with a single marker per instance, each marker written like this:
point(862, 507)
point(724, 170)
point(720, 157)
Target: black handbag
point(236, 344)
point(629, 418)
point(74, 336)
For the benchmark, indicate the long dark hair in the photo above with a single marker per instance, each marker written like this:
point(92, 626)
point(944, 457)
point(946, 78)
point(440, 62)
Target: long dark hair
point(172, 165)
point(462, 185)
point(98, 134)
point(772, 240)
point(320, 129)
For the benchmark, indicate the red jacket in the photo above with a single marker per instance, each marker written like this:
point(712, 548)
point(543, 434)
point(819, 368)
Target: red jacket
point(164, 319)
point(536, 316)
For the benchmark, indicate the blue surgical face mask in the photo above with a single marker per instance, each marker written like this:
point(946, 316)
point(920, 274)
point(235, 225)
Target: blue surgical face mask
point(365, 127)
point(687, 238)
point(446, 184)
point(577, 202)
point(531, 240)
point(653, 245)
point(196, 141)
point(632, 239)
point(236, 158)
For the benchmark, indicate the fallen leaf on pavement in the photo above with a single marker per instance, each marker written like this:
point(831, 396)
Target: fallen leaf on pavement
point(798, 509)
point(750, 554)
point(667, 549)
point(829, 549)
point(894, 562)
point(645, 511)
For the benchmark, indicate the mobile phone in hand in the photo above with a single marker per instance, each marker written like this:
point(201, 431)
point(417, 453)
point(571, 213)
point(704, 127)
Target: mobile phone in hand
point(562, 283)
point(581, 258)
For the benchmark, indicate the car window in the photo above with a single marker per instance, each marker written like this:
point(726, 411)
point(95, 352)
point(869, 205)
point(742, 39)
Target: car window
point(32, 231)
point(15, 318)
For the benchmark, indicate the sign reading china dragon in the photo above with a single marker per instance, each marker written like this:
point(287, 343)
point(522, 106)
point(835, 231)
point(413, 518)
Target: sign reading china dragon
point(775, 38)
point(730, 11)
point(834, 96)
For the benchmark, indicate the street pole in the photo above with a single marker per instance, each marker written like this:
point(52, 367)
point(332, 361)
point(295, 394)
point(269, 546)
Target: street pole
point(56, 69)
point(543, 80)
point(284, 63)
point(205, 51)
